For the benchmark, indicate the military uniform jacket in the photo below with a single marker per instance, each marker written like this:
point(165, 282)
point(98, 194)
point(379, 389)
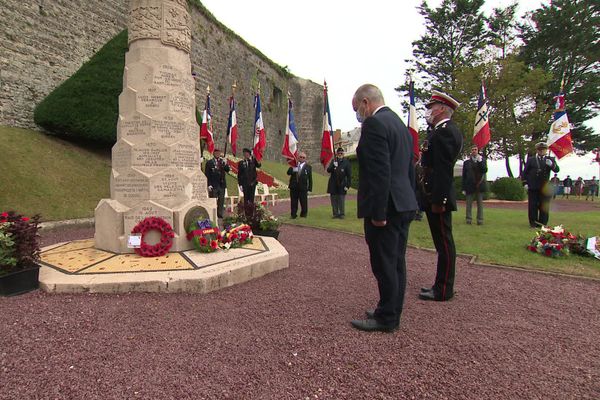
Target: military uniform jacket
point(215, 173)
point(340, 178)
point(247, 172)
point(444, 146)
point(537, 173)
point(301, 180)
point(473, 176)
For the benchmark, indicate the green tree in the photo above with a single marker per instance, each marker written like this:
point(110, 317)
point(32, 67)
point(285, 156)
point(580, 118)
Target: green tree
point(564, 38)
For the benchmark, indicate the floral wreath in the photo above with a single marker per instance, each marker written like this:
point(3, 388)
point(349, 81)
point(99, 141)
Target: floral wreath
point(166, 237)
point(236, 236)
point(204, 236)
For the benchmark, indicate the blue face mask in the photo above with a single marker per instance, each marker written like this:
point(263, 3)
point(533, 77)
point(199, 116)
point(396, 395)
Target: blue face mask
point(359, 117)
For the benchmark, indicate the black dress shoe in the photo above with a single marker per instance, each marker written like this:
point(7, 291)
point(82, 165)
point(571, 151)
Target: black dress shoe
point(432, 296)
point(426, 289)
point(370, 314)
point(371, 325)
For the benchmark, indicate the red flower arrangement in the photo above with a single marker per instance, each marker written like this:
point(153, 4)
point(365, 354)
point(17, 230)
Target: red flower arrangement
point(236, 236)
point(166, 237)
point(556, 242)
point(204, 236)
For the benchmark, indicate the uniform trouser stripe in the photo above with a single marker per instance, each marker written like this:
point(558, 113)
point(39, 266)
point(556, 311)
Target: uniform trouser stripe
point(445, 241)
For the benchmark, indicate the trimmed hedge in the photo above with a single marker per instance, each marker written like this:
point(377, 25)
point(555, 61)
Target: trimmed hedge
point(509, 189)
point(86, 106)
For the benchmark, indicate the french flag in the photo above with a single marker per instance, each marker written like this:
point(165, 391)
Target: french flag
point(412, 121)
point(260, 136)
point(290, 143)
point(559, 137)
point(327, 141)
point(206, 127)
point(232, 133)
point(481, 132)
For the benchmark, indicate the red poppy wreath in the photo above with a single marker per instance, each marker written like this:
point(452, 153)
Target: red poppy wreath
point(166, 237)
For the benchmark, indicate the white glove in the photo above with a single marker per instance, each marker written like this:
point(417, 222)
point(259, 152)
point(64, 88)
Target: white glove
point(335, 163)
point(210, 188)
point(479, 158)
point(526, 186)
point(464, 193)
point(548, 162)
point(295, 169)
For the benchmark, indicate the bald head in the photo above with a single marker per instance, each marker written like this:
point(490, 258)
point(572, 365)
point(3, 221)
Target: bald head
point(367, 99)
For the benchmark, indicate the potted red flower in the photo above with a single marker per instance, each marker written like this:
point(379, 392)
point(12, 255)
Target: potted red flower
point(19, 253)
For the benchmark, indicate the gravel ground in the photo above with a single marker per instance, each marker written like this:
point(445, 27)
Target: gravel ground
point(507, 334)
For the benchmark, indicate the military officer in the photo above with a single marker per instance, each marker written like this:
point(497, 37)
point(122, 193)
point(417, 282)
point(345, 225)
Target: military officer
point(438, 198)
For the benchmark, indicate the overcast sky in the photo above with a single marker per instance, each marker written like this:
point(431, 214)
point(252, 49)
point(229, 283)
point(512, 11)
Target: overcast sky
point(350, 43)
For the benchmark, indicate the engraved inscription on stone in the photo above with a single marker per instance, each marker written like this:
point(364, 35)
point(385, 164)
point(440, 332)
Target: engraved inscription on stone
point(182, 103)
point(130, 188)
point(176, 29)
point(151, 155)
point(185, 155)
point(152, 102)
point(168, 129)
point(121, 155)
point(167, 76)
point(138, 75)
point(144, 22)
point(146, 209)
point(167, 186)
point(134, 128)
point(199, 191)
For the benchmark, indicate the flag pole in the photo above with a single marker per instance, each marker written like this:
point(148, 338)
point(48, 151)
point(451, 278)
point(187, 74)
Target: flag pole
point(227, 137)
point(206, 110)
point(289, 96)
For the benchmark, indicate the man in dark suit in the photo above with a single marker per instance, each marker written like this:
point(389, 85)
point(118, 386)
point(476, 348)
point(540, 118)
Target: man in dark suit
point(473, 183)
point(215, 177)
point(300, 184)
point(386, 201)
point(247, 177)
point(536, 175)
point(339, 183)
point(438, 197)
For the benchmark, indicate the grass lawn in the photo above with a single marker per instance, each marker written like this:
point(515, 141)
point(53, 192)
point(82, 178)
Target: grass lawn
point(41, 174)
point(501, 240)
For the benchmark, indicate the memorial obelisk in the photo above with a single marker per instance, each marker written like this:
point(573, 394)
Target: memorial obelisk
point(156, 159)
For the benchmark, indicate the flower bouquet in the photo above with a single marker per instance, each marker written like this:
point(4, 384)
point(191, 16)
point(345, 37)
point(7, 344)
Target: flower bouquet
point(556, 242)
point(236, 235)
point(204, 236)
point(257, 215)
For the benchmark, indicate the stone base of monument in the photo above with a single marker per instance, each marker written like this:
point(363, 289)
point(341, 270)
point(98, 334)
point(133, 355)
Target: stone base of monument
point(78, 267)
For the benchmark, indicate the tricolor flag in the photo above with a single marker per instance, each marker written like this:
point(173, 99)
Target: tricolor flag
point(206, 127)
point(413, 128)
point(327, 141)
point(232, 126)
point(559, 137)
point(290, 143)
point(260, 136)
point(481, 132)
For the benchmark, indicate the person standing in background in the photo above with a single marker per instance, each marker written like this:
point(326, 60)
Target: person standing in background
point(579, 184)
point(339, 182)
point(216, 169)
point(247, 176)
point(555, 184)
point(593, 188)
point(300, 184)
point(473, 183)
point(567, 185)
point(536, 174)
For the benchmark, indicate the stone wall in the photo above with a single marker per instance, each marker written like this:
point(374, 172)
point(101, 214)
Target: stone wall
point(43, 42)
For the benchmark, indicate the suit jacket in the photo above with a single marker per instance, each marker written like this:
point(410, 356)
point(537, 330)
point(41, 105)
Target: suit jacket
point(340, 178)
point(445, 143)
point(537, 173)
point(473, 176)
point(386, 174)
point(247, 172)
point(215, 173)
point(301, 180)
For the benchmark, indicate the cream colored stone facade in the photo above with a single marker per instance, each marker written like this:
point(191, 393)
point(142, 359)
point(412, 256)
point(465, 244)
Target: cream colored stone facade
point(156, 160)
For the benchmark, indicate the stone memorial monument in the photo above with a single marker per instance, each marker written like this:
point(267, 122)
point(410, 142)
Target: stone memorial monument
point(156, 159)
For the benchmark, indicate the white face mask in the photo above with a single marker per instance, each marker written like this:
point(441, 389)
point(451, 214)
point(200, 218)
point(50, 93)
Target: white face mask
point(428, 116)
